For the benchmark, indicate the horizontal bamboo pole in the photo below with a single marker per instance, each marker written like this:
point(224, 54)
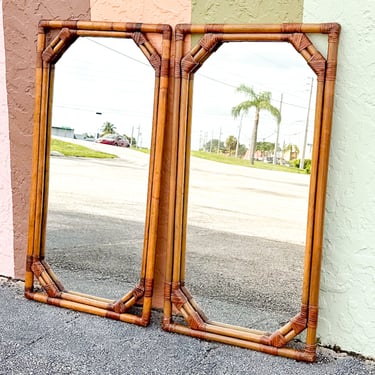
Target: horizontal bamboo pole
point(261, 37)
point(106, 26)
point(321, 28)
point(239, 328)
point(231, 332)
point(84, 300)
point(106, 300)
point(283, 352)
point(39, 297)
point(106, 34)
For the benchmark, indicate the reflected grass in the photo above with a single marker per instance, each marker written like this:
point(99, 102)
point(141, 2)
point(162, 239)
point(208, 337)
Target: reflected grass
point(71, 149)
point(220, 158)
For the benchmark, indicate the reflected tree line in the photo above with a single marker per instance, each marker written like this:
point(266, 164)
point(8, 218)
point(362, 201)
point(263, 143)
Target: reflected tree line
point(257, 150)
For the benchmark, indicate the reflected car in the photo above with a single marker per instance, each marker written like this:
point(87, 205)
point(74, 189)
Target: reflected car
point(114, 140)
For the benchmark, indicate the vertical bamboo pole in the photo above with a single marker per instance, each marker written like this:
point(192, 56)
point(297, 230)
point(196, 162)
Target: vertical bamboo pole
point(161, 122)
point(321, 186)
point(181, 165)
point(47, 158)
point(312, 194)
point(41, 162)
point(150, 180)
point(186, 178)
point(172, 247)
point(29, 276)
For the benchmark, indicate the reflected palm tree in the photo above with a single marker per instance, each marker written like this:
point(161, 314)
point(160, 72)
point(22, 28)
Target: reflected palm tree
point(261, 101)
point(108, 128)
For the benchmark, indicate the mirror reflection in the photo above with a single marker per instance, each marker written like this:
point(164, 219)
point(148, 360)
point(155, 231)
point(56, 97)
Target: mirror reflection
point(247, 210)
point(101, 137)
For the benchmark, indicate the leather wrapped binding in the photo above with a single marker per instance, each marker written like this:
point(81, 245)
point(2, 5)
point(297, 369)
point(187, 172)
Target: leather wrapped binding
point(188, 65)
point(318, 64)
point(299, 322)
point(209, 42)
point(300, 41)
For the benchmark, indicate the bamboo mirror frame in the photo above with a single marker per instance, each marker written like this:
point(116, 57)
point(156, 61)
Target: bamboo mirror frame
point(54, 37)
point(177, 297)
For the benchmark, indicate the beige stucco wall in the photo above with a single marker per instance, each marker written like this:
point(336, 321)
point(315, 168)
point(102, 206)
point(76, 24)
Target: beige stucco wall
point(6, 216)
point(347, 299)
point(170, 12)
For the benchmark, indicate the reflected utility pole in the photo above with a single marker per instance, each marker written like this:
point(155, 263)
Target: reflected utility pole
point(139, 134)
point(277, 133)
point(131, 139)
point(219, 141)
point(98, 131)
point(205, 141)
point(238, 137)
point(212, 138)
point(302, 160)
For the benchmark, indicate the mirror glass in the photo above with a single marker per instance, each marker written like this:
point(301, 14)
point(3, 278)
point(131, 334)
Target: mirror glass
point(247, 222)
point(103, 101)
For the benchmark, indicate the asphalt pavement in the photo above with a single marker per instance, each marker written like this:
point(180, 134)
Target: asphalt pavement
point(41, 339)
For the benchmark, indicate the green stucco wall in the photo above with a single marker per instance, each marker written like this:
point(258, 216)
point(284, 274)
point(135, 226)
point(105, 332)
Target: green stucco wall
point(244, 11)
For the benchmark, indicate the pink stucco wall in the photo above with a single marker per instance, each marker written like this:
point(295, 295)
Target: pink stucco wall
point(19, 30)
point(6, 216)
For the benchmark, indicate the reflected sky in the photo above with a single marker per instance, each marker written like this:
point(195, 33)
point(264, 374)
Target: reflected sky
point(274, 67)
point(109, 76)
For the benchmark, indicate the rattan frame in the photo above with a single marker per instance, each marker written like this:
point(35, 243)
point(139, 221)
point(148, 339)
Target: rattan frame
point(54, 37)
point(177, 296)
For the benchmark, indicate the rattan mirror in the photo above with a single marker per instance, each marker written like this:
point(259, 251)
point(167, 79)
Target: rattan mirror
point(197, 318)
point(87, 211)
